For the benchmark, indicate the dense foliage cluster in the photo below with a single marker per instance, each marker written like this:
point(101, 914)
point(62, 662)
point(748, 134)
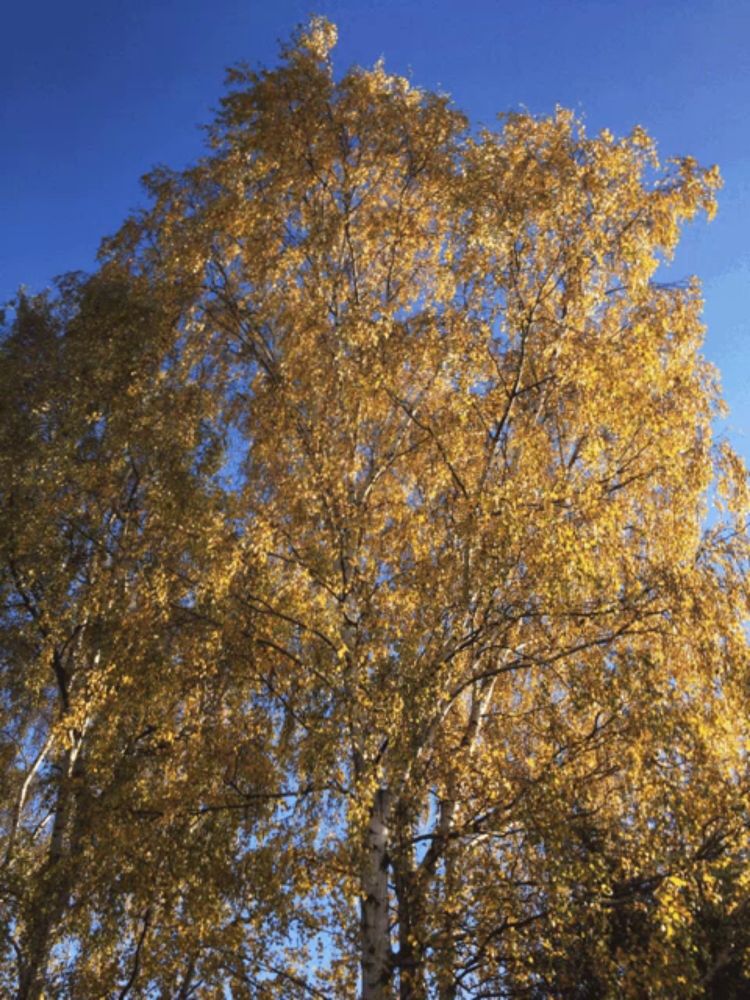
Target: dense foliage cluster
point(372, 588)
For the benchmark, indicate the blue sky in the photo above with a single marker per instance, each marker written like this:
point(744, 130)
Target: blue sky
point(96, 92)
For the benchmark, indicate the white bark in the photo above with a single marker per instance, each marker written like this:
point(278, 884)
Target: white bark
point(23, 795)
point(375, 931)
point(54, 883)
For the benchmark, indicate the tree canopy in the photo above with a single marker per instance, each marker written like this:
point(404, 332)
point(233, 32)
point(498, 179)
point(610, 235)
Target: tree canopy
point(372, 584)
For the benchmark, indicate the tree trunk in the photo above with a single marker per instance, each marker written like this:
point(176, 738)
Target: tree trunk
point(49, 902)
point(411, 983)
point(375, 930)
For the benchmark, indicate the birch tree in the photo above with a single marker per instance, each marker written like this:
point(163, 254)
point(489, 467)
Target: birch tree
point(374, 585)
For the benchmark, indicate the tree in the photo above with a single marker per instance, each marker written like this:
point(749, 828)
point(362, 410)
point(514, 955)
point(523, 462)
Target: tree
point(373, 589)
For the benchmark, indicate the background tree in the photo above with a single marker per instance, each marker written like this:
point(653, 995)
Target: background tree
point(360, 632)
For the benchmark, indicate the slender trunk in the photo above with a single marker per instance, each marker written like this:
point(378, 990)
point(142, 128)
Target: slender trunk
point(446, 980)
point(22, 797)
point(187, 979)
point(36, 949)
point(375, 932)
point(411, 982)
point(47, 906)
point(409, 909)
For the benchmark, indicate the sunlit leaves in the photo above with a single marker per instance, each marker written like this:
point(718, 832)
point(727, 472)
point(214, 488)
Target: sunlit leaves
point(366, 499)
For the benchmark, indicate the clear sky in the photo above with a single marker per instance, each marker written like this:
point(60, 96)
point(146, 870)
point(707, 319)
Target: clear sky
point(93, 93)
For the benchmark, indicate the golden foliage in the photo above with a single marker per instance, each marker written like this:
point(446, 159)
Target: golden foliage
point(373, 590)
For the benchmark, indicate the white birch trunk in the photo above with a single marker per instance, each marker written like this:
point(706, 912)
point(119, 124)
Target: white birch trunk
point(49, 909)
point(375, 933)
